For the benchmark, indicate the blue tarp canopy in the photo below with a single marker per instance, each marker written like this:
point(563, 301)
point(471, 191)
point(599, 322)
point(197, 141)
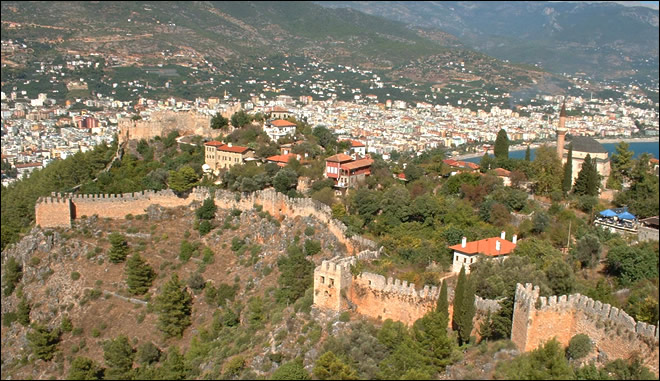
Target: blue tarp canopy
point(626, 216)
point(607, 213)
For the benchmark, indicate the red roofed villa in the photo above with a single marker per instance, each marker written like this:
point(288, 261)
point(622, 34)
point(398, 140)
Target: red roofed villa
point(346, 171)
point(466, 253)
point(218, 155)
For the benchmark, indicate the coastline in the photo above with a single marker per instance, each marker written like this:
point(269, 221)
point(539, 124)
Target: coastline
point(553, 144)
point(629, 140)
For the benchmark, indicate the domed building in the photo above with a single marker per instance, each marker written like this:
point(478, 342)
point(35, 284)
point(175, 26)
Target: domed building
point(582, 146)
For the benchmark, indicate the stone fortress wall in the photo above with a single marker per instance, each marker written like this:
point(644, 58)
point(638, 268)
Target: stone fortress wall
point(161, 123)
point(614, 333)
point(60, 209)
point(378, 297)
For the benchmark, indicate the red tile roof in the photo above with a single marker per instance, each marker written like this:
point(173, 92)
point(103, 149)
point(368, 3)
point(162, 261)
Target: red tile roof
point(502, 172)
point(235, 149)
point(357, 164)
point(282, 158)
point(282, 123)
point(214, 143)
point(220, 146)
point(340, 157)
point(486, 247)
point(355, 143)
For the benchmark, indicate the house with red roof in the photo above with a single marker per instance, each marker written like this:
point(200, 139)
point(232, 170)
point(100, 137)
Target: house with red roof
point(467, 253)
point(459, 166)
point(503, 174)
point(347, 171)
point(218, 155)
point(279, 128)
point(357, 149)
point(283, 160)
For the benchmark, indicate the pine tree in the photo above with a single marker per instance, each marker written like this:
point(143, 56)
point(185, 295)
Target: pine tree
point(23, 312)
point(174, 305)
point(502, 145)
point(174, 366)
point(43, 341)
point(568, 172)
point(330, 367)
point(83, 368)
point(528, 154)
point(119, 249)
point(139, 275)
point(118, 355)
point(207, 210)
point(463, 307)
point(588, 180)
point(443, 304)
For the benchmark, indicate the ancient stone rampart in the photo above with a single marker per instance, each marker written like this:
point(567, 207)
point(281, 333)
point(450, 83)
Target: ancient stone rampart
point(614, 333)
point(161, 123)
point(60, 209)
point(53, 211)
point(376, 296)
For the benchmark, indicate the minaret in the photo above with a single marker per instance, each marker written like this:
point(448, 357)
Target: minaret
point(561, 132)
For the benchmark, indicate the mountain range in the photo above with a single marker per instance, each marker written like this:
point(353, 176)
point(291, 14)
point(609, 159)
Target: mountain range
point(213, 34)
point(602, 39)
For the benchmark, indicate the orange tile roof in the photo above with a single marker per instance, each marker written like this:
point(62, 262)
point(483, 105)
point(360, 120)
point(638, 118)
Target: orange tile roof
point(282, 123)
point(357, 164)
point(214, 143)
point(340, 157)
point(486, 247)
point(355, 143)
point(282, 158)
point(502, 172)
point(235, 149)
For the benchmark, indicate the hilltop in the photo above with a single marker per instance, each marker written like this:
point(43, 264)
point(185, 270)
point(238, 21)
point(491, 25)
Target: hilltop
point(68, 273)
point(195, 41)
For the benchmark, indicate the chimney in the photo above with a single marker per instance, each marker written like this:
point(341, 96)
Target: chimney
point(228, 144)
point(515, 239)
point(503, 235)
point(464, 242)
point(497, 245)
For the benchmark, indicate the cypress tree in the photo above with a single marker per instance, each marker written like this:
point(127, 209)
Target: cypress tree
point(502, 145)
point(463, 307)
point(568, 172)
point(528, 154)
point(174, 305)
point(443, 304)
point(588, 180)
point(139, 275)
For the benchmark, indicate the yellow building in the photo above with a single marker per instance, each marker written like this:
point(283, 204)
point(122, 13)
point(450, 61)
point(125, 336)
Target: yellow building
point(218, 155)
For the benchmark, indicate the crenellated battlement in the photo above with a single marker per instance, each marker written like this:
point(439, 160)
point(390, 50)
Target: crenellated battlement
point(119, 205)
point(400, 287)
point(537, 319)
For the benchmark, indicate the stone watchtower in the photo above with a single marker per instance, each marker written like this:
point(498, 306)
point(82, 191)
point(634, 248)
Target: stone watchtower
point(331, 279)
point(561, 131)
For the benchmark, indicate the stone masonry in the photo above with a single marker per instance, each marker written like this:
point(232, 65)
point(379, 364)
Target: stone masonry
point(60, 209)
point(613, 332)
point(373, 295)
point(161, 123)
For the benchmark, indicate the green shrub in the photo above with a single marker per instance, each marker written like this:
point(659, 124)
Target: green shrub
point(579, 346)
point(75, 275)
